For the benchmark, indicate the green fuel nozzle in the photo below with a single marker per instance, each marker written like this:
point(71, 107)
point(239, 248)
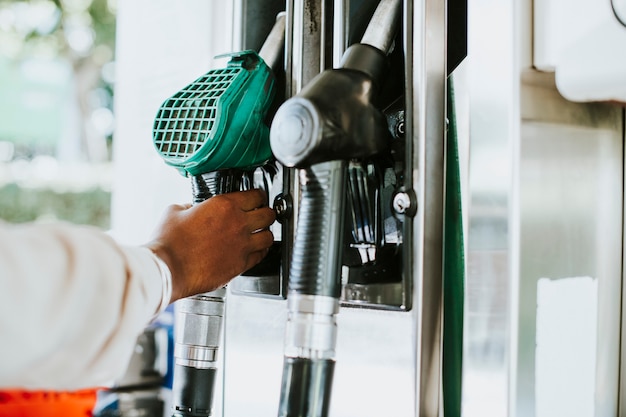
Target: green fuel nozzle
point(214, 131)
point(217, 121)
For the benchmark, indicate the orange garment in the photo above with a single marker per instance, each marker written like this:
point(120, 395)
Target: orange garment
point(21, 403)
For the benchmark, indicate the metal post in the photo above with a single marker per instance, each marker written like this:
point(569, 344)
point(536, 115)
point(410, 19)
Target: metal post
point(425, 54)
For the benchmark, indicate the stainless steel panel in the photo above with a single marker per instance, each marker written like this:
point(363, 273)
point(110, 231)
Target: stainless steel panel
point(375, 364)
point(425, 35)
point(546, 201)
point(373, 375)
point(570, 213)
point(310, 24)
point(254, 334)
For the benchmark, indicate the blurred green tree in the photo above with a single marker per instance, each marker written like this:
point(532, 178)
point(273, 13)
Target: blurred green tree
point(78, 37)
point(19, 205)
point(80, 32)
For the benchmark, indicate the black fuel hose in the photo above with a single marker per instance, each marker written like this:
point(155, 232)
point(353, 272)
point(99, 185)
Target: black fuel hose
point(314, 290)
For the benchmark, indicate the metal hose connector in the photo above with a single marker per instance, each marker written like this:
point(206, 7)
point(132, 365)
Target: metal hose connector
point(311, 330)
point(198, 331)
point(199, 321)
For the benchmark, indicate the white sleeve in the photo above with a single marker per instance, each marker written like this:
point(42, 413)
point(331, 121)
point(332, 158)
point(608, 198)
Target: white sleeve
point(72, 303)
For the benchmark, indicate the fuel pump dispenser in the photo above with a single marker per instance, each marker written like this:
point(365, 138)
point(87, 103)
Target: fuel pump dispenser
point(214, 131)
point(329, 125)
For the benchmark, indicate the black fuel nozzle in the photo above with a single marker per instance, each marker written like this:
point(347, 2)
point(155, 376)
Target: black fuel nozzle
point(330, 122)
point(333, 117)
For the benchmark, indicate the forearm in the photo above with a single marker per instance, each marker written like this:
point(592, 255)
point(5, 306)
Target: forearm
point(72, 305)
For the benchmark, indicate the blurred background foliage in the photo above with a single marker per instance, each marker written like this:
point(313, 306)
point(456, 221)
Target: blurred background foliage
point(56, 109)
point(90, 206)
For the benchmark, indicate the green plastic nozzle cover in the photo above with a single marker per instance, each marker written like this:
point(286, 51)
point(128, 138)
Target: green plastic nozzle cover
point(217, 121)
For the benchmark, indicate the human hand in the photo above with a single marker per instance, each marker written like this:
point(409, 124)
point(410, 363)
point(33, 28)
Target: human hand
point(208, 244)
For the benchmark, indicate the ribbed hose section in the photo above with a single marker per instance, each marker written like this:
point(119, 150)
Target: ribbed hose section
point(205, 186)
point(316, 258)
